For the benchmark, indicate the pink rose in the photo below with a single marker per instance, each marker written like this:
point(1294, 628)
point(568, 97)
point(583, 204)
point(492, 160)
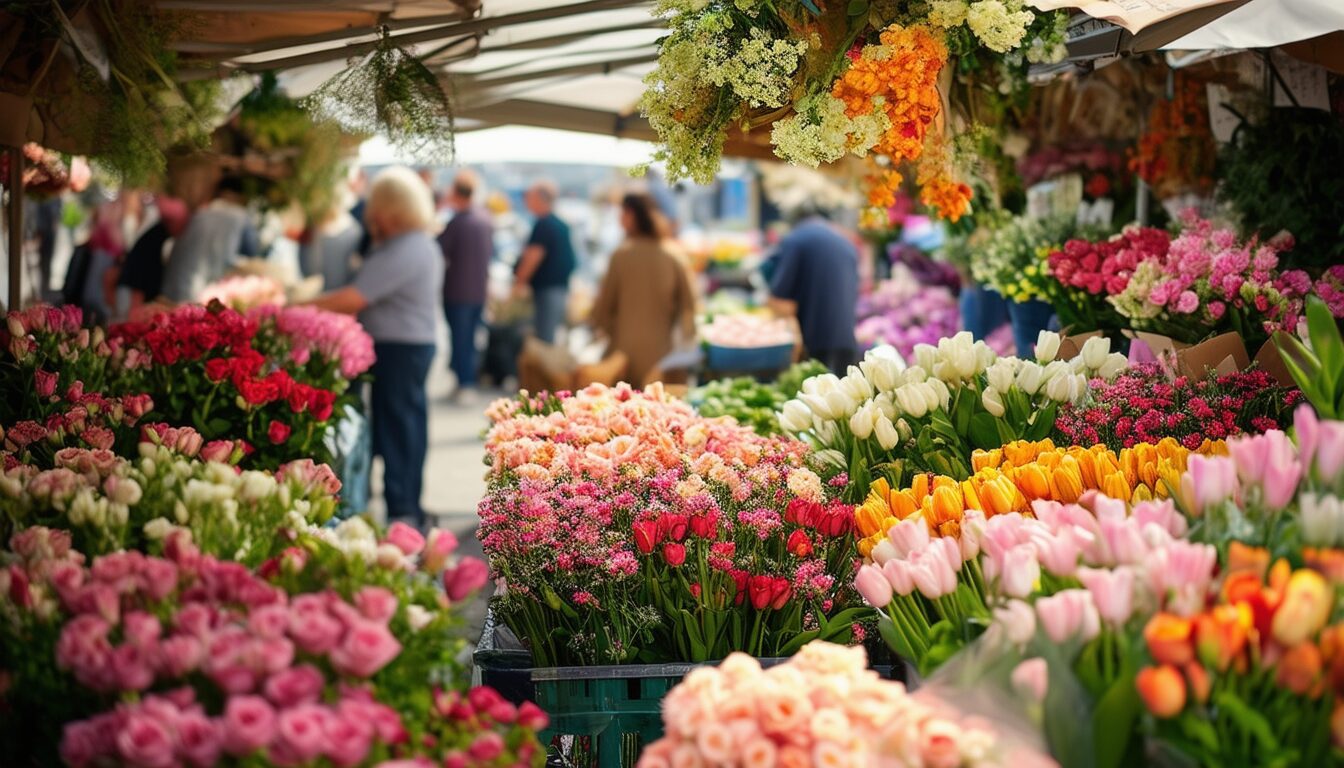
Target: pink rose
point(44, 382)
point(376, 604)
point(249, 724)
point(486, 747)
point(194, 619)
point(440, 547)
point(131, 668)
point(272, 654)
point(347, 740)
point(385, 720)
point(469, 576)
point(220, 451)
point(80, 743)
point(405, 538)
point(146, 741)
point(180, 655)
point(311, 626)
point(302, 731)
point(366, 648)
point(199, 739)
point(268, 621)
point(297, 685)
point(141, 629)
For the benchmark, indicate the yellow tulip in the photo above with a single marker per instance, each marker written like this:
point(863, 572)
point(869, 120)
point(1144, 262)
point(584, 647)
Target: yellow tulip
point(968, 493)
point(868, 518)
point(1000, 496)
point(985, 459)
point(1087, 466)
point(866, 546)
point(943, 481)
point(1142, 493)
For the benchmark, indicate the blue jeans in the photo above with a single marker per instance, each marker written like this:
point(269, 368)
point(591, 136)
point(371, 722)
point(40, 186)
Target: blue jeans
point(463, 319)
point(400, 422)
point(550, 312)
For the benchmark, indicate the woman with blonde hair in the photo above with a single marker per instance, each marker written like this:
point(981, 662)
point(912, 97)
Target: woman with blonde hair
point(646, 295)
point(396, 295)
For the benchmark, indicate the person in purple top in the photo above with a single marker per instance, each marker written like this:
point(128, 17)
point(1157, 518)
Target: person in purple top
point(468, 246)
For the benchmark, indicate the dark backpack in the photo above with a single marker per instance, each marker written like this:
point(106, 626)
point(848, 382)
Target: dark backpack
point(72, 290)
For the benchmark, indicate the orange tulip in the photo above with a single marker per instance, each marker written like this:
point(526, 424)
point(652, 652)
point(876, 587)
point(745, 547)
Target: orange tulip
point(1032, 481)
point(1306, 605)
point(1000, 496)
point(947, 506)
point(919, 488)
point(1162, 690)
point(1168, 637)
point(1087, 465)
point(1200, 683)
point(902, 504)
point(1300, 670)
point(1328, 562)
point(1129, 465)
point(1115, 486)
point(1337, 724)
point(1066, 481)
point(1221, 635)
point(868, 518)
point(1245, 588)
point(1241, 557)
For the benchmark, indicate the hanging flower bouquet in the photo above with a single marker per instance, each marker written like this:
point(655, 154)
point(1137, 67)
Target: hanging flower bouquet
point(884, 421)
point(626, 529)
point(861, 82)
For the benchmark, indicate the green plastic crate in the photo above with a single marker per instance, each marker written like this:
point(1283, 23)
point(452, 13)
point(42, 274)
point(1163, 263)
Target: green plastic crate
point(610, 712)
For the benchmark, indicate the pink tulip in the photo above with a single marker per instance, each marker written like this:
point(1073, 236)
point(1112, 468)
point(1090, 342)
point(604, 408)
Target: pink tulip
point(1214, 480)
point(1180, 573)
point(1112, 591)
point(1330, 450)
point(1067, 614)
point(898, 574)
point(1162, 514)
point(909, 536)
point(1308, 429)
point(1019, 571)
point(872, 584)
point(1058, 553)
point(1030, 678)
point(1280, 481)
point(1017, 620)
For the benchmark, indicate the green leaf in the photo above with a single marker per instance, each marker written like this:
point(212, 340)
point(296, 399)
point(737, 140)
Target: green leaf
point(857, 8)
point(798, 642)
point(1248, 720)
point(1113, 722)
point(984, 432)
point(895, 639)
point(698, 650)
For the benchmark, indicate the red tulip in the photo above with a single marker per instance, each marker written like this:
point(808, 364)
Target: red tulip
point(646, 536)
point(740, 581)
point(1162, 690)
point(761, 590)
point(780, 592)
point(705, 526)
point(799, 544)
point(673, 526)
point(674, 554)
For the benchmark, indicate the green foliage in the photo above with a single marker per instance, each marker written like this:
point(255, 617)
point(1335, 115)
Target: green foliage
point(751, 402)
point(1318, 369)
point(1283, 173)
point(391, 93)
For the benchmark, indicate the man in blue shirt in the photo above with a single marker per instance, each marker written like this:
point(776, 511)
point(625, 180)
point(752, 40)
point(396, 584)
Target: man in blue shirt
point(546, 263)
point(816, 279)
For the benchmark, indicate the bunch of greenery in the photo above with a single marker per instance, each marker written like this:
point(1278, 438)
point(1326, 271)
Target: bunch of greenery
point(753, 403)
point(1283, 173)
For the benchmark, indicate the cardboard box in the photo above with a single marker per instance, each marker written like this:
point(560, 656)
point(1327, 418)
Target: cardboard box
point(1225, 353)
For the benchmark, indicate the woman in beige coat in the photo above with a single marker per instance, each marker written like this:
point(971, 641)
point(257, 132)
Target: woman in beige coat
point(647, 292)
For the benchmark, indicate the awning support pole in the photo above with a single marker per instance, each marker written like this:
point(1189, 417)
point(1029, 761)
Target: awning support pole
point(15, 228)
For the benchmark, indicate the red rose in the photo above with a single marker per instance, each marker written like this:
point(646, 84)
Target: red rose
point(321, 404)
point(278, 432)
point(299, 397)
point(218, 369)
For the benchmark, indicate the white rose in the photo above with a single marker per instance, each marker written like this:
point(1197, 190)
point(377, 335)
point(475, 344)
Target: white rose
point(1047, 346)
point(418, 617)
point(993, 402)
point(256, 486)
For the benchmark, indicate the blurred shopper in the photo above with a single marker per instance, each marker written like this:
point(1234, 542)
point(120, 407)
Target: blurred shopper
point(468, 246)
point(106, 246)
point(142, 273)
point(646, 296)
point(215, 237)
point(330, 247)
point(547, 262)
point(396, 295)
point(815, 277)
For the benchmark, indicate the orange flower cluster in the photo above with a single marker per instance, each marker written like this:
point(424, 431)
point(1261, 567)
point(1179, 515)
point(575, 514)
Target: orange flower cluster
point(1276, 622)
point(1008, 479)
point(903, 71)
point(949, 197)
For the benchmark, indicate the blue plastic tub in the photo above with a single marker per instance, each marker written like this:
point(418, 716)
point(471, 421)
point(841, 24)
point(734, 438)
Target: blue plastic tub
point(747, 359)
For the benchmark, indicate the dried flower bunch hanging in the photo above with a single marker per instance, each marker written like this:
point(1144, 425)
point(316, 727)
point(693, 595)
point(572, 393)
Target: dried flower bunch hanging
point(390, 92)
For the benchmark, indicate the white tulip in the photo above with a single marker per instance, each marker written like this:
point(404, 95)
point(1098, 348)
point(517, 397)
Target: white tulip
point(1322, 519)
point(886, 406)
point(993, 402)
point(841, 404)
point(826, 432)
point(964, 361)
point(903, 429)
point(1115, 363)
point(931, 398)
point(819, 405)
point(915, 375)
point(887, 437)
point(1030, 378)
point(861, 423)
point(925, 355)
point(1000, 374)
point(1057, 389)
point(856, 385)
point(1078, 389)
point(1055, 370)
point(886, 374)
point(1095, 350)
point(796, 416)
point(912, 401)
point(827, 383)
point(944, 394)
point(1047, 346)
point(984, 356)
point(884, 551)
